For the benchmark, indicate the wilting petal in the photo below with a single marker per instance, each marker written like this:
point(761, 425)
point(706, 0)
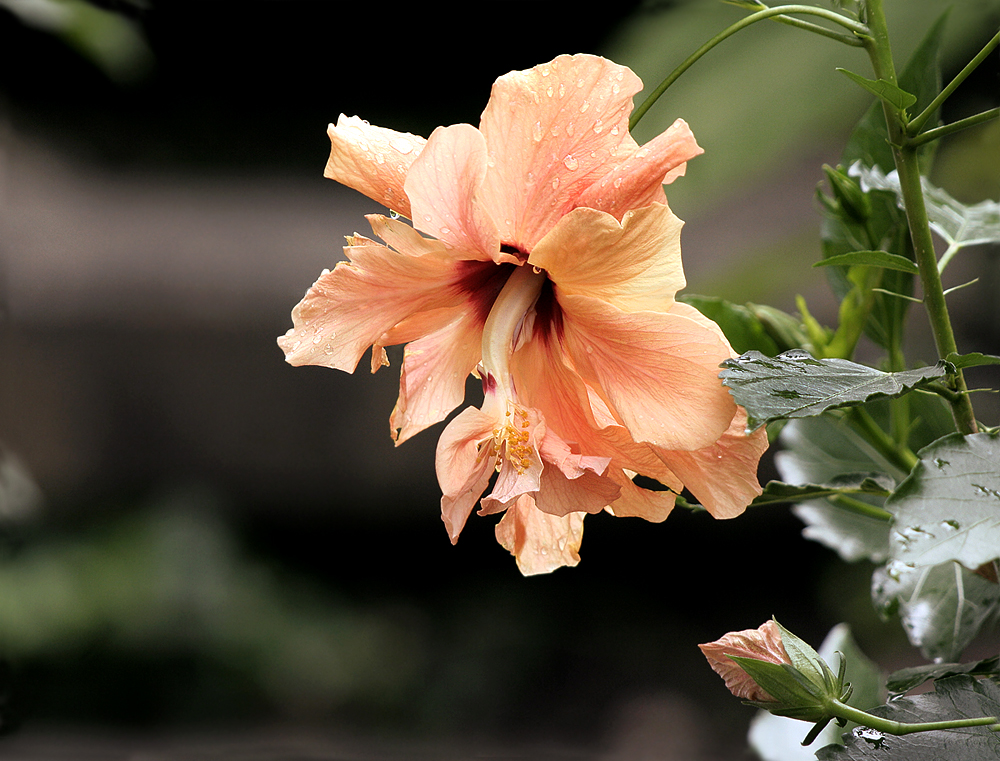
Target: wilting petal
point(723, 475)
point(372, 160)
point(551, 132)
point(762, 644)
point(657, 372)
point(635, 264)
point(347, 310)
point(540, 542)
point(432, 381)
point(463, 472)
point(638, 180)
point(444, 185)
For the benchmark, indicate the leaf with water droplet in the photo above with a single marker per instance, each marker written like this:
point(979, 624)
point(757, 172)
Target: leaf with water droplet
point(796, 384)
point(954, 492)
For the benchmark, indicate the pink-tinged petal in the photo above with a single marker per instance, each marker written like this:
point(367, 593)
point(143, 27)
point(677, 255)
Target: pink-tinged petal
point(552, 131)
point(521, 432)
point(723, 475)
point(403, 238)
point(347, 310)
point(636, 502)
point(638, 180)
point(762, 644)
point(657, 372)
point(463, 471)
point(444, 186)
point(372, 160)
point(432, 381)
point(573, 482)
point(540, 542)
point(635, 264)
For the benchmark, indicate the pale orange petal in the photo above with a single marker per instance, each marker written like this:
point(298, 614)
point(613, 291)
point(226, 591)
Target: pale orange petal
point(723, 476)
point(372, 160)
point(540, 542)
point(638, 180)
point(552, 131)
point(444, 186)
point(432, 381)
point(462, 473)
point(763, 644)
point(635, 264)
point(400, 236)
point(636, 502)
point(348, 309)
point(573, 482)
point(657, 372)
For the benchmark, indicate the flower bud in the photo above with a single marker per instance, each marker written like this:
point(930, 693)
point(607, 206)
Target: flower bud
point(851, 198)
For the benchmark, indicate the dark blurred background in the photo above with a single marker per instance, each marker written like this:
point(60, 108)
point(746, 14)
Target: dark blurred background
point(198, 537)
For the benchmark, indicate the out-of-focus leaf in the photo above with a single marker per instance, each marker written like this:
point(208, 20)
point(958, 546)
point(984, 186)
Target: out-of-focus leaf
point(941, 607)
point(958, 697)
point(905, 680)
point(742, 327)
point(850, 483)
point(777, 738)
point(882, 89)
point(871, 259)
point(948, 508)
point(975, 359)
point(959, 225)
point(796, 384)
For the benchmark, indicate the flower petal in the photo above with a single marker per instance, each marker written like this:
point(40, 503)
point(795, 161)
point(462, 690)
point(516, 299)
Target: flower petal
point(462, 473)
point(635, 264)
point(372, 160)
point(763, 644)
point(348, 309)
point(723, 475)
point(657, 372)
point(444, 185)
point(636, 502)
point(540, 542)
point(552, 131)
point(638, 180)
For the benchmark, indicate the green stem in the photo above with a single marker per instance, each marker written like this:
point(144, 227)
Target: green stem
point(858, 507)
point(858, 29)
point(948, 129)
point(890, 727)
point(898, 454)
point(935, 104)
point(905, 157)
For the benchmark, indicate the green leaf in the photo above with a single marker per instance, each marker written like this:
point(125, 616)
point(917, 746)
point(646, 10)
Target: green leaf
point(742, 327)
point(872, 259)
point(948, 508)
point(958, 697)
point(777, 738)
point(975, 359)
point(942, 607)
point(905, 680)
point(796, 384)
point(880, 88)
point(960, 226)
point(778, 492)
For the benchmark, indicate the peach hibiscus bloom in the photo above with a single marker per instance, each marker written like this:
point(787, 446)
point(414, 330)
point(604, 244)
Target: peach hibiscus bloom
point(762, 644)
point(550, 271)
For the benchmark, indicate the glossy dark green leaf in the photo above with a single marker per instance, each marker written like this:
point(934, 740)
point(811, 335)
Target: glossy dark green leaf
point(742, 327)
point(958, 697)
point(871, 259)
point(905, 680)
point(941, 607)
point(948, 508)
point(796, 384)
point(882, 89)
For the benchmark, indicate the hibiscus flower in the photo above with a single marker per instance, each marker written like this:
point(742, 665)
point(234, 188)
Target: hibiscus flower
point(542, 256)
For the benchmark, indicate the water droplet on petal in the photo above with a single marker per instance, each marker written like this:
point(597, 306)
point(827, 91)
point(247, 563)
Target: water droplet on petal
point(570, 162)
point(549, 91)
point(618, 182)
point(570, 129)
point(598, 126)
point(615, 130)
point(555, 183)
point(536, 132)
point(444, 231)
point(401, 144)
point(584, 106)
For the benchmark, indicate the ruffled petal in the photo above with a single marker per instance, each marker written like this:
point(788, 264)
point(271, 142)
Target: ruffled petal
point(435, 367)
point(539, 541)
point(638, 180)
point(552, 131)
point(348, 309)
point(636, 502)
point(723, 475)
point(657, 372)
point(634, 264)
point(463, 472)
point(443, 186)
point(372, 160)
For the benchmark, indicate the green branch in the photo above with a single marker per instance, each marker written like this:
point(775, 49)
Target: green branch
point(890, 727)
point(948, 129)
